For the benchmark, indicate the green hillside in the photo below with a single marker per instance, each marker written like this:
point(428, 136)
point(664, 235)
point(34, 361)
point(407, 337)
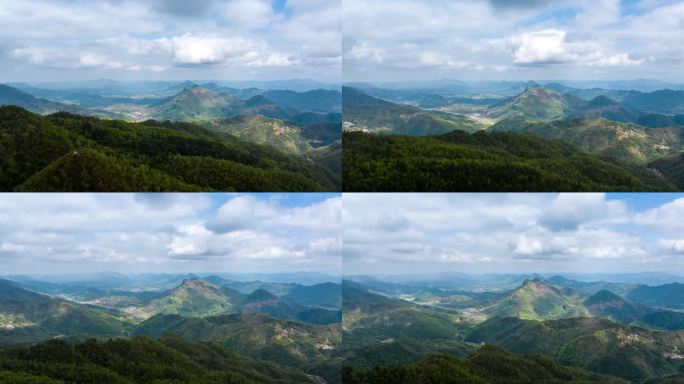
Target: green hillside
point(536, 103)
point(599, 345)
point(605, 303)
point(193, 103)
point(488, 365)
point(539, 300)
point(27, 317)
point(604, 107)
point(200, 298)
point(672, 168)
point(260, 336)
point(370, 114)
point(484, 161)
point(65, 152)
point(625, 142)
point(193, 298)
point(369, 317)
point(279, 134)
point(141, 361)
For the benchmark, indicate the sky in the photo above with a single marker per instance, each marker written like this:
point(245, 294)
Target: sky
point(512, 233)
point(50, 40)
point(513, 40)
point(175, 233)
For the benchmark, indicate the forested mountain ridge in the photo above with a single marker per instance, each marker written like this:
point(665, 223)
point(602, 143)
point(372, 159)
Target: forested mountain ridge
point(596, 330)
point(91, 154)
point(141, 361)
point(497, 161)
point(626, 142)
point(488, 365)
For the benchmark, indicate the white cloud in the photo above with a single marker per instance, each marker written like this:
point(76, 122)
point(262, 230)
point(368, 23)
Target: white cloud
point(167, 233)
point(540, 47)
point(237, 213)
point(412, 233)
point(606, 39)
point(526, 246)
point(667, 216)
point(135, 39)
point(210, 49)
point(676, 246)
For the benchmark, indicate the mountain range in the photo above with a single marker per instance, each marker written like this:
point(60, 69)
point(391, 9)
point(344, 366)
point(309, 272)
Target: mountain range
point(572, 323)
point(305, 125)
point(292, 329)
point(67, 152)
point(639, 141)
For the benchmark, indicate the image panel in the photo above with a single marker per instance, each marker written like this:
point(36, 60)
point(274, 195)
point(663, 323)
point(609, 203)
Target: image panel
point(182, 288)
point(513, 288)
point(512, 96)
point(173, 96)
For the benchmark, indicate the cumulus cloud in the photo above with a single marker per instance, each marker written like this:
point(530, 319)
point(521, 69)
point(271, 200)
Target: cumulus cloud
point(569, 211)
point(170, 39)
point(524, 40)
point(667, 216)
point(550, 46)
point(410, 233)
point(168, 232)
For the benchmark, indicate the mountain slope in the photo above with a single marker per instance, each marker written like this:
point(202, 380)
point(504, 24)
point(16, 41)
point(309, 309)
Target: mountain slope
point(369, 317)
point(488, 364)
point(603, 106)
point(193, 103)
point(139, 360)
point(262, 301)
point(536, 103)
point(626, 142)
point(367, 113)
point(141, 156)
point(279, 134)
point(672, 168)
point(599, 345)
point(539, 300)
point(27, 317)
point(484, 161)
point(256, 335)
point(194, 297)
point(13, 96)
point(607, 304)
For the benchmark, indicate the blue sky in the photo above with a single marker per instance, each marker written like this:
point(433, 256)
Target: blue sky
point(47, 40)
point(513, 233)
point(175, 232)
point(513, 40)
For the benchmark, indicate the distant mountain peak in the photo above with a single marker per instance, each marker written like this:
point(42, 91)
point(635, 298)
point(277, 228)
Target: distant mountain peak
point(258, 100)
point(603, 296)
point(260, 295)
